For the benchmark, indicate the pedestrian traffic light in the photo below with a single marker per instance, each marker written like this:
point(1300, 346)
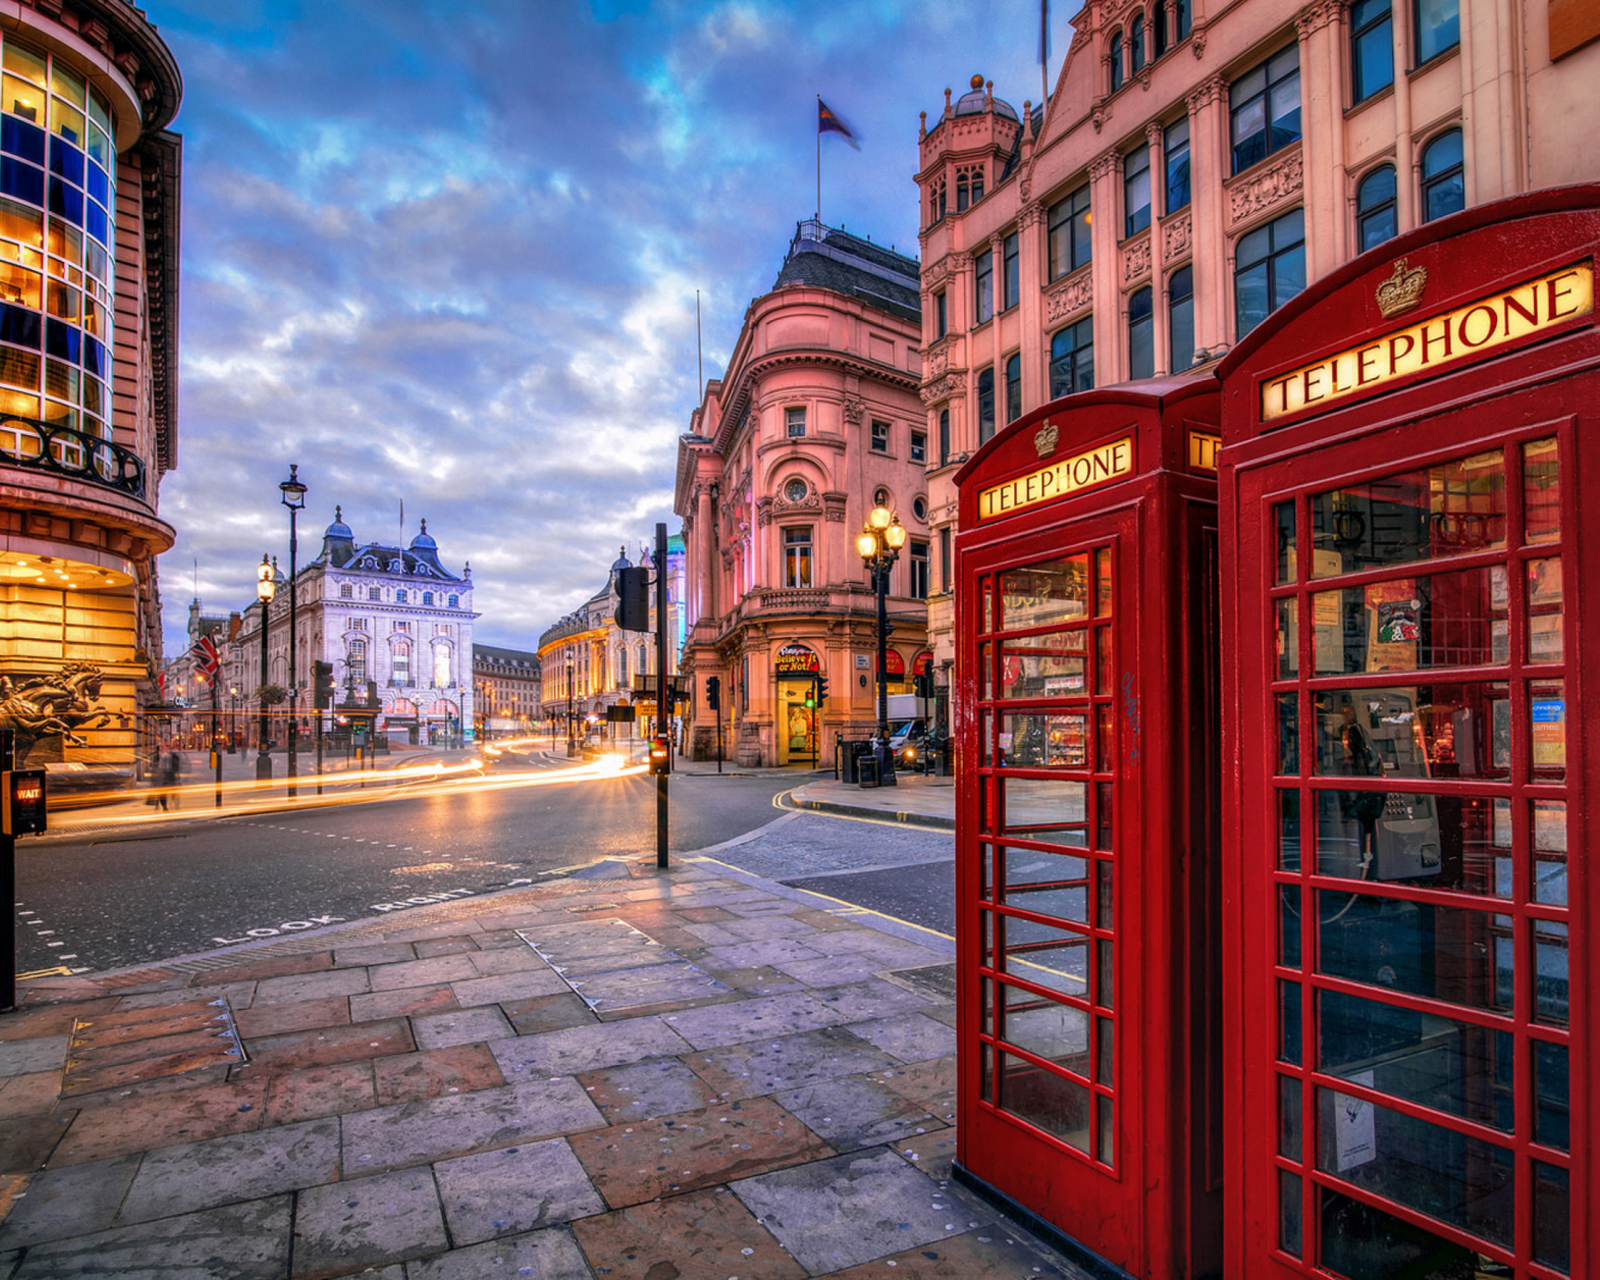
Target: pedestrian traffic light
point(714, 692)
point(821, 690)
point(323, 689)
point(660, 756)
point(633, 599)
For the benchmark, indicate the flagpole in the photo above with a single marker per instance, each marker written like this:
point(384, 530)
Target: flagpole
point(819, 158)
point(1044, 52)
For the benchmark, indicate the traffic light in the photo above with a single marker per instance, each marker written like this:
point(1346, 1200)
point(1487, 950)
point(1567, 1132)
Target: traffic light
point(660, 756)
point(820, 688)
point(323, 688)
point(922, 684)
point(633, 599)
point(811, 697)
point(714, 692)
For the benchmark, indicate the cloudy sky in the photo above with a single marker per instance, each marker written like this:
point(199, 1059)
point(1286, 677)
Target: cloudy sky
point(446, 253)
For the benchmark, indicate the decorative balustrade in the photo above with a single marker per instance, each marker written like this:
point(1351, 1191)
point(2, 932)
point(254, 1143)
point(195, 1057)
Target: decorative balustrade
point(65, 451)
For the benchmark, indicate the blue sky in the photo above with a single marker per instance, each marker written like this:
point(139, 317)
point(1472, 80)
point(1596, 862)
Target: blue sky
point(447, 254)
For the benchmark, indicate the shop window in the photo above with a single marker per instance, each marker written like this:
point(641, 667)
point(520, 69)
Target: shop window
point(1072, 359)
point(1116, 61)
point(1180, 319)
point(944, 436)
point(1371, 48)
point(1010, 280)
point(919, 446)
point(1141, 335)
point(1068, 223)
point(1270, 268)
point(985, 405)
point(1437, 24)
point(1136, 191)
point(1158, 23)
point(1375, 208)
point(1136, 43)
point(346, 591)
point(794, 421)
point(880, 436)
point(1176, 145)
point(1264, 109)
point(1013, 388)
point(941, 317)
point(983, 286)
point(919, 570)
point(1443, 188)
point(797, 557)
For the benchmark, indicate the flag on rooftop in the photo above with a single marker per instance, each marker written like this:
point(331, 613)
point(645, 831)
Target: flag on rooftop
point(828, 122)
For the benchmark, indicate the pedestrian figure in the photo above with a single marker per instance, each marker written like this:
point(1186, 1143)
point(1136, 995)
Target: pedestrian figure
point(171, 767)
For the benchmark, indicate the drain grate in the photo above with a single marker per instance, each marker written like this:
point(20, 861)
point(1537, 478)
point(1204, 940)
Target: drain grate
point(114, 1050)
point(935, 982)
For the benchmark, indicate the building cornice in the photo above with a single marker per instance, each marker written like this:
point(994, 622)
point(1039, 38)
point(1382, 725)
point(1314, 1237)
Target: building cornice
point(762, 365)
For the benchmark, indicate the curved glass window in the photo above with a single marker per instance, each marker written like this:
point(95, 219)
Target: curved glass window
point(985, 405)
point(1136, 42)
point(1013, 388)
point(57, 244)
point(1180, 318)
point(1072, 359)
point(1443, 188)
point(1141, 335)
point(1375, 207)
point(1158, 23)
point(1116, 62)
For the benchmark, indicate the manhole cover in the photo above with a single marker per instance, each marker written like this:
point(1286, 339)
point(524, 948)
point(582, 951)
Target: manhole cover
point(935, 982)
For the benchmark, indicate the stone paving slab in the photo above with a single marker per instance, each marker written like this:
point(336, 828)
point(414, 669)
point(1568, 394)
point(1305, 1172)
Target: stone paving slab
point(910, 1037)
point(25, 1057)
point(464, 1026)
point(435, 1073)
point(76, 1200)
point(345, 1226)
point(587, 1048)
point(713, 1026)
point(518, 1189)
point(550, 1254)
point(857, 1111)
point(787, 1062)
point(704, 1233)
point(657, 1087)
point(649, 984)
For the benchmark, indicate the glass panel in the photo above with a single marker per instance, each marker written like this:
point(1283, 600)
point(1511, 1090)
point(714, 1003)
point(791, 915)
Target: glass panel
point(1551, 1123)
point(1046, 957)
point(1050, 884)
point(1442, 842)
point(1045, 1100)
point(1552, 1235)
point(1442, 953)
point(1550, 852)
point(1541, 491)
point(1047, 1029)
point(1047, 809)
point(1544, 610)
point(1106, 895)
point(1448, 509)
point(1105, 980)
point(1289, 830)
point(985, 891)
point(1105, 1068)
point(1051, 666)
point(1410, 624)
point(1360, 1242)
point(1108, 1149)
point(1045, 594)
point(1419, 731)
point(1550, 999)
point(1283, 518)
point(1446, 1175)
point(1289, 1021)
point(985, 1074)
point(24, 61)
point(1289, 925)
point(986, 738)
point(1289, 1144)
point(986, 672)
point(988, 606)
point(1547, 726)
point(1288, 733)
point(1102, 660)
point(1045, 741)
point(1436, 1062)
point(1290, 1212)
point(1102, 579)
point(1104, 739)
point(1288, 639)
point(1103, 816)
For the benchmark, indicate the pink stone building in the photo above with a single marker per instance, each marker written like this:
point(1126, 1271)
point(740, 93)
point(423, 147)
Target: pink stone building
point(1198, 164)
point(815, 422)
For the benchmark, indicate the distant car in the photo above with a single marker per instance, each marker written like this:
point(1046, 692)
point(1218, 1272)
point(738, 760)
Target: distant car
point(906, 740)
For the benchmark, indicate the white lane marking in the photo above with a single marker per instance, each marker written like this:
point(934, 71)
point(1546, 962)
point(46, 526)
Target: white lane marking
point(288, 926)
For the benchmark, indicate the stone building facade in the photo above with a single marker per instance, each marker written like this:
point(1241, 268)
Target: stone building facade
point(506, 691)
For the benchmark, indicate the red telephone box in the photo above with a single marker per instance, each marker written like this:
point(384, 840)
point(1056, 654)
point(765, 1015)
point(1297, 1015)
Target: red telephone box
point(1410, 478)
point(1085, 709)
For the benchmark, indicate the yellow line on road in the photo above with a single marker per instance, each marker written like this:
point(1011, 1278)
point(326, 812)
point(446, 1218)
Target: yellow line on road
point(803, 807)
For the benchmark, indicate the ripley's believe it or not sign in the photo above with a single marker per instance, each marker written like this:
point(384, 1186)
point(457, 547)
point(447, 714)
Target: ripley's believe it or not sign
point(1081, 471)
point(796, 660)
point(1430, 345)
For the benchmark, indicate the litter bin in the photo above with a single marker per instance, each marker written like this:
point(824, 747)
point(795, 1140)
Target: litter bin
point(867, 769)
point(851, 752)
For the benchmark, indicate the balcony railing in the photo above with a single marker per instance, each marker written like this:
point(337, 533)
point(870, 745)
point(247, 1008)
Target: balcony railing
point(64, 451)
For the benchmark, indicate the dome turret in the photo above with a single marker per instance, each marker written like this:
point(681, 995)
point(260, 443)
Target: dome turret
point(422, 542)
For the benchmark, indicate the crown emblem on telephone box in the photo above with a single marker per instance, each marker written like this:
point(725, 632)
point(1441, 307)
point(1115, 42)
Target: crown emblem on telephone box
point(1044, 439)
point(1401, 291)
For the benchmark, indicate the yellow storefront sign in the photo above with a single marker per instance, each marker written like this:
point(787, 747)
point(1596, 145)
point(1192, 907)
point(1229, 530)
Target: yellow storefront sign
point(1081, 471)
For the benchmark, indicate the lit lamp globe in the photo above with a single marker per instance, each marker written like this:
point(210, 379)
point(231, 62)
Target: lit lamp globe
point(895, 535)
point(264, 587)
point(880, 518)
point(867, 545)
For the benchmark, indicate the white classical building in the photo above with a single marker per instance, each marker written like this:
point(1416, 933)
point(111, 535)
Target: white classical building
point(389, 617)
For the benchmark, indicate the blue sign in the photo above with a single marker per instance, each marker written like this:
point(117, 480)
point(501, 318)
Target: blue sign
point(1552, 711)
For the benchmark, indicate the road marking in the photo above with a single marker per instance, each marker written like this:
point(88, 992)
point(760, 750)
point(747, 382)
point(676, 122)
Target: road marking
point(288, 926)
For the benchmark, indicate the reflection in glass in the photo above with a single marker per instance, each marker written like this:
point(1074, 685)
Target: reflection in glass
point(1102, 660)
point(1452, 508)
point(1445, 842)
point(1541, 491)
point(1552, 1236)
point(1550, 852)
point(1104, 739)
point(1419, 948)
point(1045, 1100)
point(1102, 579)
point(1437, 1062)
point(1056, 1032)
point(1550, 999)
point(1053, 810)
point(1049, 884)
point(1360, 1242)
point(1463, 1181)
point(1289, 830)
point(1544, 610)
point(1104, 872)
point(986, 672)
point(1043, 595)
point(1103, 815)
point(1288, 733)
point(1045, 741)
point(1289, 1021)
point(1421, 731)
point(1106, 1067)
point(1551, 1125)
point(1283, 520)
point(1048, 666)
point(1288, 638)
point(1547, 728)
point(1289, 1117)
point(1412, 624)
point(1045, 956)
point(1290, 1212)
point(1289, 925)
point(1105, 980)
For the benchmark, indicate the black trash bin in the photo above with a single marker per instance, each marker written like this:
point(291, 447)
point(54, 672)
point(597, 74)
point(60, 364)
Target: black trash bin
point(851, 751)
point(867, 769)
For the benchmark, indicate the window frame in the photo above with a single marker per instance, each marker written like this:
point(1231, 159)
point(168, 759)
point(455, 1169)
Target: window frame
point(1360, 32)
point(1424, 51)
point(878, 440)
point(1174, 301)
point(1265, 95)
point(1076, 355)
point(941, 314)
point(1013, 387)
point(1010, 271)
point(1169, 155)
point(1136, 54)
point(1270, 261)
point(1148, 323)
point(985, 404)
point(1434, 181)
point(918, 565)
point(944, 436)
point(799, 550)
point(1389, 205)
point(983, 286)
point(1061, 221)
point(919, 446)
point(794, 416)
point(1136, 165)
point(1114, 57)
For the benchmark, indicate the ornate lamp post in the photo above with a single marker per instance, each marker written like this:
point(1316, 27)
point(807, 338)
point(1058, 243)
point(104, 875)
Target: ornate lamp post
point(879, 544)
point(264, 593)
point(294, 497)
point(572, 746)
point(233, 719)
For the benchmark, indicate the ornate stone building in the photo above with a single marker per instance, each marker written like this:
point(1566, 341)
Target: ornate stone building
point(1200, 162)
point(89, 213)
point(814, 423)
point(505, 683)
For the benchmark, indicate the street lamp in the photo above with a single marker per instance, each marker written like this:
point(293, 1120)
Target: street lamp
point(233, 719)
point(294, 497)
point(572, 746)
point(879, 544)
point(264, 593)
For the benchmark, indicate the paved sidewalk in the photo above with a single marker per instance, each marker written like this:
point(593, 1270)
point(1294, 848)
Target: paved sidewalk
point(623, 1074)
point(918, 799)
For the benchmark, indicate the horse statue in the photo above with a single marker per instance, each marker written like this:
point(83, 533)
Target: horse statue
point(51, 706)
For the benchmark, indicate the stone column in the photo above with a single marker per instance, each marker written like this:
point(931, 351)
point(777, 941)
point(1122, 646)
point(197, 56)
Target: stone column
point(1031, 268)
point(1104, 174)
point(1321, 120)
point(1210, 164)
point(1154, 135)
point(1405, 175)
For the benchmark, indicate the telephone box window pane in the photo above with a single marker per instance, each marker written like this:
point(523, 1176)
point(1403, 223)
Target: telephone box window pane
point(1102, 665)
point(1058, 1033)
point(985, 1074)
point(1284, 519)
point(1048, 884)
point(1044, 741)
point(1418, 948)
point(1430, 841)
point(1463, 1181)
point(1545, 610)
point(985, 889)
point(1052, 666)
point(1289, 925)
point(1550, 999)
point(1108, 1128)
point(1547, 726)
point(1452, 1066)
point(986, 672)
point(1045, 1100)
point(1105, 739)
point(1289, 1022)
point(1288, 639)
point(988, 607)
point(1288, 733)
point(1104, 815)
point(1551, 1123)
point(1289, 830)
point(1053, 958)
point(1452, 508)
point(1106, 976)
point(1050, 810)
point(1360, 1242)
point(1541, 491)
point(1290, 1212)
point(1102, 580)
point(1420, 731)
point(1411, 624)
point(1550, 852)
point(986, 997)
point(1105, 1068)
point(1045, 595)
point(1552, 1236)
point(986, 738)
point(1289, 1143)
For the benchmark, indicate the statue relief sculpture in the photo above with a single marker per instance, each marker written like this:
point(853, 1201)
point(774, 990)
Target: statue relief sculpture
point(51, 706)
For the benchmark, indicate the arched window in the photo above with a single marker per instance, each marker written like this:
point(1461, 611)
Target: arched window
point(985, 405)
point(441, 666)
point(1141, 335)
point(622, 666)
point(643, 664)
point(1375, 207)
point(1136, 42)
point(1443, 188)
point(1180, 13)
point(1180, 319)
point(1116, 61)
point(1158, 20)
point(355, 659)
point(401, 670)
point(1013, 388)
point(1072, 359)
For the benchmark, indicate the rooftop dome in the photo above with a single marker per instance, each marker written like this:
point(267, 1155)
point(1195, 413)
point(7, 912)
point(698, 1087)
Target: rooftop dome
point(422, 542)
point(977, 102)
point(339, 529)
point(622, 561)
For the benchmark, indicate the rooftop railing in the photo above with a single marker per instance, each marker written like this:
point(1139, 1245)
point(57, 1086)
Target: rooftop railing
point(64, 451)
